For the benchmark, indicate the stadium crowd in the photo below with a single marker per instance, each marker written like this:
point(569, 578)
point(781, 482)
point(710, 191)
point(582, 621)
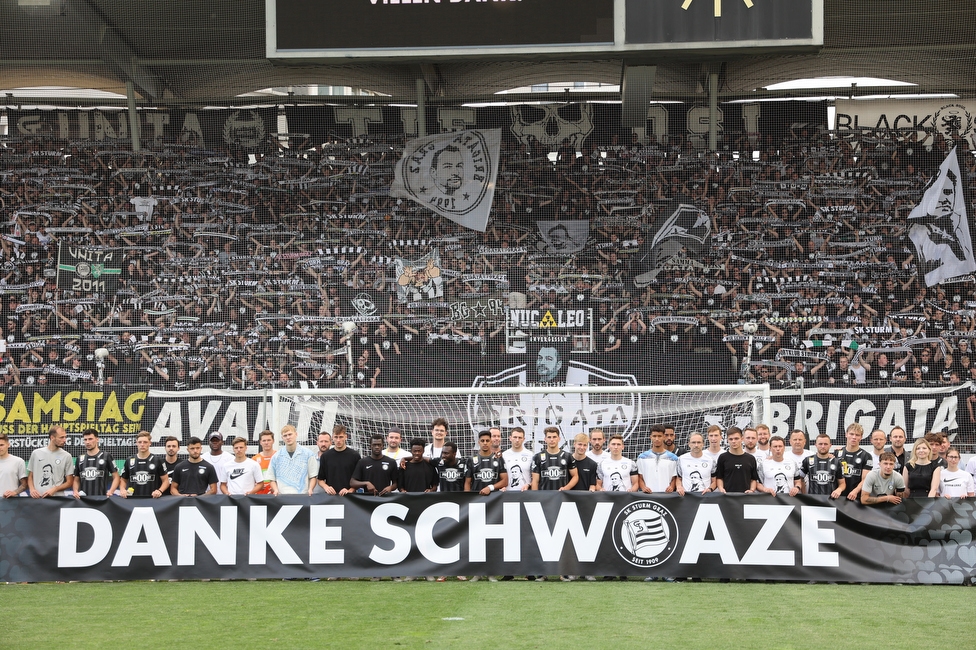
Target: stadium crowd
point(238, 270)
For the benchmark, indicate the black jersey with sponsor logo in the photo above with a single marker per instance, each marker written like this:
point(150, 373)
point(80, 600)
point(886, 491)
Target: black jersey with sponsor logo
point(484, 471)
point(95, 473)
point(381, 472)
point(855, 465)
point(143, 475)
point(823, 474)
point(193, 478)
point(553, 469)
point(450, 478)
point(586, 474)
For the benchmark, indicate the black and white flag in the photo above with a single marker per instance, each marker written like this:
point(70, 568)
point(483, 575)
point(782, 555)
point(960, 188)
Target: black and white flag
point(686, 227)
point(452, 174)
point(563, 237)
point(939, 227)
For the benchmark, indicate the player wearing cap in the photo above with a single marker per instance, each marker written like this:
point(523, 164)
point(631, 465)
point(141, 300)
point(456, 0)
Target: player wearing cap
point(217, 456)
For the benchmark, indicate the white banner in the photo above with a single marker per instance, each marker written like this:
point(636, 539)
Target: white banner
point(452, 174)
point(951, 117)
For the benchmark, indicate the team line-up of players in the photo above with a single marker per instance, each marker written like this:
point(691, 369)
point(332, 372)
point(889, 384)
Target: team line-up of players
point(753, 462)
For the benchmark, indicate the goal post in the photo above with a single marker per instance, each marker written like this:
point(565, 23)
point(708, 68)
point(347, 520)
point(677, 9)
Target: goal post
point(627, 410)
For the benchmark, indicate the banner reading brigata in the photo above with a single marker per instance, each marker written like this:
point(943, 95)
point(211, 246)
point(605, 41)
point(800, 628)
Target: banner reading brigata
point(541, 533)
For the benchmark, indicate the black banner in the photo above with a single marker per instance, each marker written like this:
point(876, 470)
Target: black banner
point(540, 533)
point(830, 410)
point(212, 129)
point(88, 271)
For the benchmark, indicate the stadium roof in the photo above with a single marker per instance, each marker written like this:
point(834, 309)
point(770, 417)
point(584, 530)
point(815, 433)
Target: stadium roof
point(212, 52)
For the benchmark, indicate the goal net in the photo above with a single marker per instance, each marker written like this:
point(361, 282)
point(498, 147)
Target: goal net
point(629, 411)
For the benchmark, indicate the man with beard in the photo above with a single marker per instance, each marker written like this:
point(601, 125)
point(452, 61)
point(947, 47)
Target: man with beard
point(596, 451)
point(172, 458)
point(323, 443)
point(695, 469)
point(762, 437)
point(49, 468)
point(451, 470)
point(194, 476)
point(548, 364)
point(824, 473)
point(447, 169)
point(898, 438)
point(438, 434)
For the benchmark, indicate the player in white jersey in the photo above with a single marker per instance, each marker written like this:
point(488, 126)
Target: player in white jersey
point(779, 475)
point(658, 467)
point(955, 483)
point(878, 441)
point(596, 450)
point(242, 475)
point(762, 439)
point(616, 473)
point(696, 471)
point(518, 462)
point(714, 440)
point(798, 446)
point(438, 434)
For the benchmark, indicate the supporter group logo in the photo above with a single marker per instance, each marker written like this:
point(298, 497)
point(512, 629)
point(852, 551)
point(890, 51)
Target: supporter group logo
point(645, 534)
point(244, 128)
point(953, 121)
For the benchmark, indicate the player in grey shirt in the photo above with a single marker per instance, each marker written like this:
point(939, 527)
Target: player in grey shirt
point(884, 485)
point(49, 468)
point(13, 472)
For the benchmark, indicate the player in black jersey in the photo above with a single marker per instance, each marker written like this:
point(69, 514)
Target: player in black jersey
point(585, 466)
point(94, 468)
point(553, 469)
point(823, 472)
point(856, 463)
point(172, 457)
point(143, 475)
point(376, 474)
point(194, 476)
point(486, 471)
point(451, 470)
point(417, 474)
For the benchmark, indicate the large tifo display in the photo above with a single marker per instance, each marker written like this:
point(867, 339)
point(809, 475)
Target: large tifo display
point(540, 533)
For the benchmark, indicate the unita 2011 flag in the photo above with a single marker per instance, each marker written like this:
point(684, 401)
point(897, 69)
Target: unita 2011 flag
point(452, 174)
point(939, 227)
point(89, 270)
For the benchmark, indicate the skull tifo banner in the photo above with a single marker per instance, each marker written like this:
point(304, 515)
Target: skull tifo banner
point(540, 533)
point(89, 271)
point(831, 410)
point(452, 174)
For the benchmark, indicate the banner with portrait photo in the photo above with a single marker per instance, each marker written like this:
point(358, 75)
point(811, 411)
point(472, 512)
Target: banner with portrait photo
point(452, 174)
point(562, 237)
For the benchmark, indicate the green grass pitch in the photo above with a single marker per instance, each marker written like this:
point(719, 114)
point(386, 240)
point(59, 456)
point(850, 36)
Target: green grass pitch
point(364, 614)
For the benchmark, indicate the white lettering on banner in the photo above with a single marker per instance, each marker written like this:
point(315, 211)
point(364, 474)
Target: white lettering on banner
point(509, 531)
point(812, 536)
point(381, 526)
point(141, 522)
point(759, 553)
point(222, 547)
point(935, 412)
point(709, 518)
point(184, 419)
point(425, 533)
point(359, 118)
point(586, 544)
point(262, 535)
point(68, 554)
point(320, 534)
